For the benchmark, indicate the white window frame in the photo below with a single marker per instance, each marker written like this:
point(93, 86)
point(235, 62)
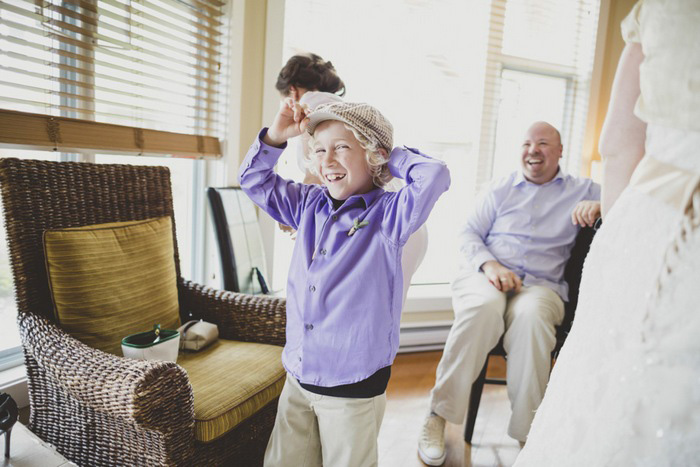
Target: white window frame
point(496, 62)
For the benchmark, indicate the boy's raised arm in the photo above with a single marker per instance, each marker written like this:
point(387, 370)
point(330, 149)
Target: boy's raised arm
point(280, 198)
point(426, 179)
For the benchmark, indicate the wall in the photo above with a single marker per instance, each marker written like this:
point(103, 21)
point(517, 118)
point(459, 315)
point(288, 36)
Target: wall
point(608, 50)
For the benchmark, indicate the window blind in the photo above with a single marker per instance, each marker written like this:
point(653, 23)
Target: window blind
point(539, 66)
point(130, 76)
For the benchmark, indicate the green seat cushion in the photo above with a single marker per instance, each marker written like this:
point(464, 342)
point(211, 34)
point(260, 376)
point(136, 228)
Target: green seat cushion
point(231, 381)
point(111, 280)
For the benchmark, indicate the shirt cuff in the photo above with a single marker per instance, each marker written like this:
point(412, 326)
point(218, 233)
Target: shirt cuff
point(480, 258)
point(402, 158)
point(260, 153)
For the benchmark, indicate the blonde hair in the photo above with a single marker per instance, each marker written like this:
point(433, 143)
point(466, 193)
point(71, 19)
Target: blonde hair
point(377, 163)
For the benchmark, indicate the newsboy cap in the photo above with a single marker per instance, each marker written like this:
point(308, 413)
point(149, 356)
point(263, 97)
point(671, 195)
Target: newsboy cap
point(367, 120)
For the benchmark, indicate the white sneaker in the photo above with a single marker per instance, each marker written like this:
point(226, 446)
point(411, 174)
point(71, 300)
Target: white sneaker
point(431, 446)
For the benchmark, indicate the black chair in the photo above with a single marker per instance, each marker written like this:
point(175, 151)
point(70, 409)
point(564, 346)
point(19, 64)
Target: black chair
point(237, 230)
point(572, 275)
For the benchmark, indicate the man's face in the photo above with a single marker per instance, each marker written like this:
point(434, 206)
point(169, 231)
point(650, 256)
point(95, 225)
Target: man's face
point(541, 152)
point(340, 161)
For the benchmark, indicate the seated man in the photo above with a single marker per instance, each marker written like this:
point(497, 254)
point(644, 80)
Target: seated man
point(514, 248)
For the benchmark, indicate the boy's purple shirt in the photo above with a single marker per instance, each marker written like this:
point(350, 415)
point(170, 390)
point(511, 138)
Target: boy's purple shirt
point(344, 292)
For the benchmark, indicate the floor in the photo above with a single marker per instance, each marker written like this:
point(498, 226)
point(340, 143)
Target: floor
point(27, 450)
point(413, 375)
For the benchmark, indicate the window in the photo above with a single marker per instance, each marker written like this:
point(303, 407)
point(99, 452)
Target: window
point(459, 80)
point(538, 68)
point(147, 64)
point(525, 97)
point(116, 81)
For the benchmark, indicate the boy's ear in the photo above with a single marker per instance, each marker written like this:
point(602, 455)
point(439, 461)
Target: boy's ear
point(384, 153)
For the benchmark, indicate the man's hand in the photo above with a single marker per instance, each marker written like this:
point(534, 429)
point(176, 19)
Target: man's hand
point(291, 120)
point(501, 277)
point(585, 213)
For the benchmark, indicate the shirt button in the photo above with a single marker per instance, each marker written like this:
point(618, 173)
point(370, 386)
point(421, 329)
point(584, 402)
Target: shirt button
point(312, 288)
point(265, 151)
point(323, 251)
point(309, 327)
point(299, 358)
point(335, 218)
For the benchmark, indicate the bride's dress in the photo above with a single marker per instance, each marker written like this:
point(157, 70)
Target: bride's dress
point(626, 388)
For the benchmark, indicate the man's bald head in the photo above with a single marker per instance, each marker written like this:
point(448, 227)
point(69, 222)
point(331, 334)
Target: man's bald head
point(544, 126)
point(541, 151)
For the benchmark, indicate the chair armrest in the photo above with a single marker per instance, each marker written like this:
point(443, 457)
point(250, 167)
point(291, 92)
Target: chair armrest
point(243, 317)
point(152, 394)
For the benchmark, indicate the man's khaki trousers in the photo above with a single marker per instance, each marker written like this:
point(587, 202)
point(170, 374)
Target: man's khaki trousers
point(315, 430)
point(482, 313)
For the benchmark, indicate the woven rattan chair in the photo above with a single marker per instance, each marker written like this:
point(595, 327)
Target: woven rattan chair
point(94, 407)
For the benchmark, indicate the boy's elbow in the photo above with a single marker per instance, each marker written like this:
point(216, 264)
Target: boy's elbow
point(442, 177)
point(242, 172)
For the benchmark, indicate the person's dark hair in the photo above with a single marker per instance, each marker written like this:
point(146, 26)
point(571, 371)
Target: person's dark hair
point(309, 72)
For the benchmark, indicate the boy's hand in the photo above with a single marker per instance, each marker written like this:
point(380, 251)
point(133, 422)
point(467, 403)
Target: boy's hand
point(290, 121)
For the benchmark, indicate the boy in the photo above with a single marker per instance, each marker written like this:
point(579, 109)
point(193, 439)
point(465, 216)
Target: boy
point(344, 290)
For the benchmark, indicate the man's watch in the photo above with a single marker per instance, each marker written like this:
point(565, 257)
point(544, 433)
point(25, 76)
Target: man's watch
point(598, 223)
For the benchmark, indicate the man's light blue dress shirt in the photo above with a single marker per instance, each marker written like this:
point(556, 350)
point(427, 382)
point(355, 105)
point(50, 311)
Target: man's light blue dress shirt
point(527, 227)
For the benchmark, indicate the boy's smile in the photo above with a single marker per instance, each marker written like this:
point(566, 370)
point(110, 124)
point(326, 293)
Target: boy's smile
point(340, 161)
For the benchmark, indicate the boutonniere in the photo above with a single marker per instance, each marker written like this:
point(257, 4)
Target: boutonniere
point(356, 225)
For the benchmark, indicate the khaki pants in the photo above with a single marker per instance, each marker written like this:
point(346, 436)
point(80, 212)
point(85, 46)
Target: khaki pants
point(482, 313)
point(316, 430)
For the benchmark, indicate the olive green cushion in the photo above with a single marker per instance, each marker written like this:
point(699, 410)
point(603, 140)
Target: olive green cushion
point(231, 381)
point(111, 280)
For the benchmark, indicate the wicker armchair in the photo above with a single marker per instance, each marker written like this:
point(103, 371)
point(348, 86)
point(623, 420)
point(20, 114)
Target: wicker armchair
point(97, 408)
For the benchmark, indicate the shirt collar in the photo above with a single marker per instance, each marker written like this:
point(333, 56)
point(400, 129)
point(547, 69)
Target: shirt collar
point(367, 198)
point(519, 178)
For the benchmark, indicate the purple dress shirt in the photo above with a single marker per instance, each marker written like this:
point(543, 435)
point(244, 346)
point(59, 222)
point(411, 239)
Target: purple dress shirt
point(527, 227)
point(344, 292)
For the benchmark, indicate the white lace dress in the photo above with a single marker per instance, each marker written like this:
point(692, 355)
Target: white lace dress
point(626, 388)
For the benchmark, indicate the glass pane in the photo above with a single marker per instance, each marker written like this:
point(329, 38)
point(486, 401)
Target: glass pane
point(525, 98)
point(183, 181)
point(544, 30)
point(9, 335)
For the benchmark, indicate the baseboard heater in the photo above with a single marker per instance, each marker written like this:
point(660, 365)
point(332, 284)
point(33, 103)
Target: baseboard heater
point(423, 338)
